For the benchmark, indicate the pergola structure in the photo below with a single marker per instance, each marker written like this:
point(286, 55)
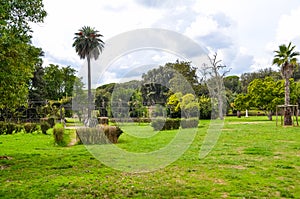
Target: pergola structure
point(280, 109)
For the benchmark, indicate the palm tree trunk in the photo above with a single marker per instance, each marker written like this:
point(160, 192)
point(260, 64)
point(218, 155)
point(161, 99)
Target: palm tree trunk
point(287, 110)
point(89, 88)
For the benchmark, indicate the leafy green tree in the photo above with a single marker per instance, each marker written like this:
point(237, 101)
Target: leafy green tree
point(16, 16)
point(241, 102)
point(136, 108)
point(168, 76)
point(103, 99)
point(88, 45)
point(120, 100)
point(17, 63)
point(296, 75)
point(154, 93)
point(205, 107)
point(160, 75)
point(187, 71)
point(68, 80)
point(59, 81)
point(173, 105)
point(18, 57)
point(286, 59)
point(247, 78)
point(183, 105)
point(189, 106)
point(78, 98)
point(266, 94)
point(233, 84)
point(297, 92)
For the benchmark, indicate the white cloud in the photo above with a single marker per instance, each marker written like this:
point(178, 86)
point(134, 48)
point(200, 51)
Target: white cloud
point(201, 27)
point(288, 28)
point(244, 33)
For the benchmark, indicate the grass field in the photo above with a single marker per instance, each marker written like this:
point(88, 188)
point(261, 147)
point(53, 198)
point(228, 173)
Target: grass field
point(252, 159)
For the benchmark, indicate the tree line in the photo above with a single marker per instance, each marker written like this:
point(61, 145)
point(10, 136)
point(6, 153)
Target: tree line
point(261, 90)
point(26, 84)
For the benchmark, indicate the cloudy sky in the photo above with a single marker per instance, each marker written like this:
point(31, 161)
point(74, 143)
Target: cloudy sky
point(244, 33)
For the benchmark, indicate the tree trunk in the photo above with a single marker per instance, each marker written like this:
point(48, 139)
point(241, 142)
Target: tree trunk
point(220, 106)
point(89, 88)
point(238, 114)
point(270, 115)
point(287, 110)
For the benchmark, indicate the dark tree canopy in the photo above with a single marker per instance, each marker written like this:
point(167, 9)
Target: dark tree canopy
point(164, 75)
point(37, 92)
point(232, 83)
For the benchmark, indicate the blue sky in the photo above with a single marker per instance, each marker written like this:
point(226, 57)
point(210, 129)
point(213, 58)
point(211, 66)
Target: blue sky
point(244, 33)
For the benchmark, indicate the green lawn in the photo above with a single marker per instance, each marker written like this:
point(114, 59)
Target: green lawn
point(252, 159)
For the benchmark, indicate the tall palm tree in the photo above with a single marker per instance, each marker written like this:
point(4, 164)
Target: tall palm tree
point(286, 59)
point(88, 45)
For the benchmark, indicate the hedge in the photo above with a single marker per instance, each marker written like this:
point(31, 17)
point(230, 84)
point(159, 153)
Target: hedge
point(165, 123)
point(189, 123)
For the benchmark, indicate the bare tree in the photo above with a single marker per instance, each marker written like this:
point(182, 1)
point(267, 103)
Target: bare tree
point(213, 73)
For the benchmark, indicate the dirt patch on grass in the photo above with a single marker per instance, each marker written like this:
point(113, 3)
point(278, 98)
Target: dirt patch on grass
point(239, 167)
point(2, 167)
point(5, 157)
point(228, 129)
point(225, 195)
point(247, 122)
point(286, 141)
point(219, 181)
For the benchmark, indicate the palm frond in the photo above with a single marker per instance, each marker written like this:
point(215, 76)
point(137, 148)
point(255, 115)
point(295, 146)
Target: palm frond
point(87, 42)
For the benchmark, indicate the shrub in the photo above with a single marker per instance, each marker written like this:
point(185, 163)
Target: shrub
point(142, 120)
point(189, 123)
point(205, 108)
point(18, 128)
point(132, 119)
point(44, 127)
point(2, 128)
point(10, 128)
point(30, 127)
point(58, 133)
point(50, 121)
point(165, 123)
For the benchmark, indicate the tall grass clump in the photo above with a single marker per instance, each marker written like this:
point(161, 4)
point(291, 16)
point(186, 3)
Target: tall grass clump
point(92, 136)
point(58, 133)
